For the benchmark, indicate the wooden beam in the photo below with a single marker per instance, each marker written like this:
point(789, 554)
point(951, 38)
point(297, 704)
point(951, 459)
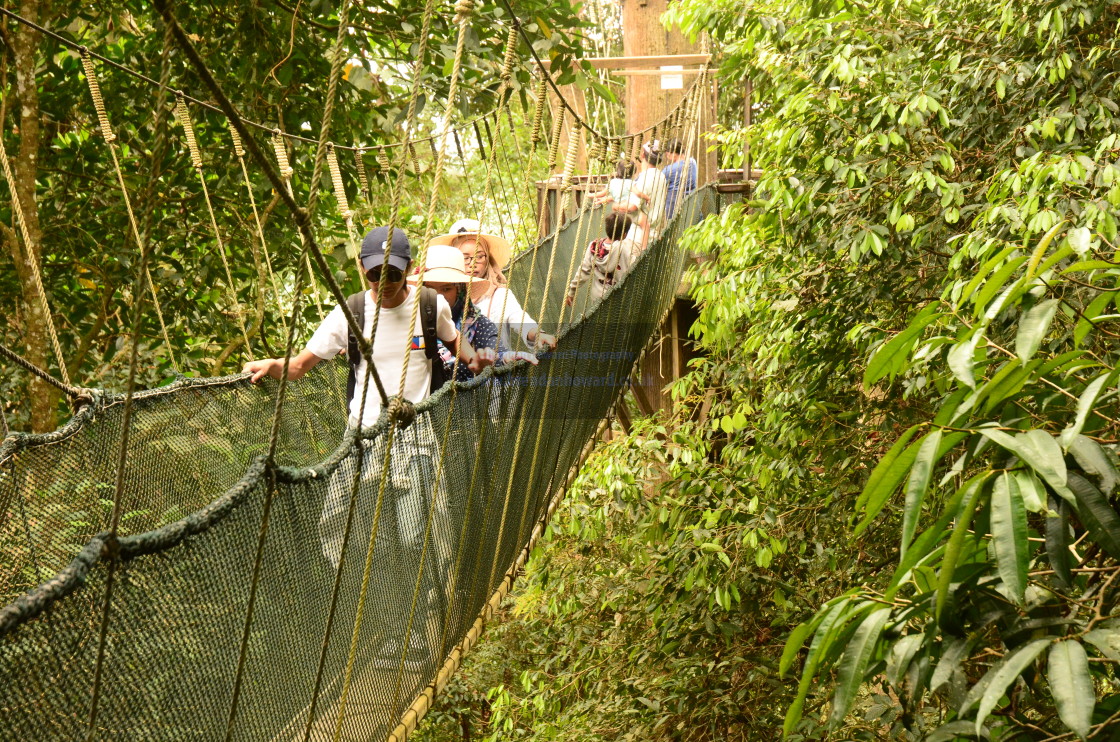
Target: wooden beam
point(628, 73)
point(612, 63)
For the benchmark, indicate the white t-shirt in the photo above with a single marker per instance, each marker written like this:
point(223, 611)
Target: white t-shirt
point(650, 181)
point(388, 350)
point(619, 188)
point(503, 309)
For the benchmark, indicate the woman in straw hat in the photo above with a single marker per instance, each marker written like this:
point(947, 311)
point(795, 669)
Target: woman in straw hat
point(444, 272)
point(485, 255)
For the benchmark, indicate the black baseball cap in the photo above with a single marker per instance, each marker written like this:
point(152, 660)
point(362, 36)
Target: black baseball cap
point(377, 248)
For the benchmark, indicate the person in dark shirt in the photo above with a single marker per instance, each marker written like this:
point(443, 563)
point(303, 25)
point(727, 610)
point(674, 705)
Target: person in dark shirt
point(680, 176)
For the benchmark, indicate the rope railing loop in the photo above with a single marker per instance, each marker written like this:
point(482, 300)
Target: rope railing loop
point(510, 58)
point(238, 146)
point(336, 180)
point(33, 263)
point(281, 151)
point(554, 139)
point(363, 178)
point(184, 117)
point(538, 112)
point(95, 93)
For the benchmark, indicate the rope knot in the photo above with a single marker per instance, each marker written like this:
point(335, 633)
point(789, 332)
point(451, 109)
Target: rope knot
point(85, 397)
point(401, 412)
point(464, 7)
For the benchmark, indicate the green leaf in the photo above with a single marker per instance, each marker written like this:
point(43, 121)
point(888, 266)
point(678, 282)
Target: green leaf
point(1085, 323)
point(1009, 535)
point(924, 545)
point(1085, 404)
point(920, 473)
point(953, 731)
point(1097, 514)
point(1107, 641)
point(956, 541)
point(1033, 326)
point(891, 356)
point(1058, 541)
point(853, 664)
point(885, 477)
point(1038, 450)
point(955, 650)
point(1072, 686)
point(1096, 460)
point(932, 449)
point(793, 645)
point(995, 284)
point(961, 358)
point(996, 681)
point(901, 654)
point(1032, 491)
point(835, 616)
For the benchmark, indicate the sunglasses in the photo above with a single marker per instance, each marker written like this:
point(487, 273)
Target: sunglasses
point(392, 275)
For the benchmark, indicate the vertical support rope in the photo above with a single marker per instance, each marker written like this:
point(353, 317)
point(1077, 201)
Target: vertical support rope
point(390, 435)
point(184, 117)
point(137, 309)
point(344, 210)
point(239, 150)
point(565, 194)
point(110, 139)
point(33, 261)
point(285, 170)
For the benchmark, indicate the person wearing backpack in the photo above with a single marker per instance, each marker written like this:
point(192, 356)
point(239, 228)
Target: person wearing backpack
point(410, 498)
point(388, 263)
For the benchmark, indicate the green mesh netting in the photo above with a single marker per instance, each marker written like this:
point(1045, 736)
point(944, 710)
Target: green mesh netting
point(467, 482)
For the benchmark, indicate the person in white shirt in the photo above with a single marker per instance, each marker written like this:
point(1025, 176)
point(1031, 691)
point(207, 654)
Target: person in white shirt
point(486, 255)
point(618, 188)
point(392, 342)
point(410, 498)
point(646, 205)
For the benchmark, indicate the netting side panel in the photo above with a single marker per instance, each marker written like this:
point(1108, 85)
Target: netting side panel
point(185, 447)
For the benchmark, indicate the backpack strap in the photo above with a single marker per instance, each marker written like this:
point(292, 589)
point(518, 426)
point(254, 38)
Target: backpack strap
point(357, 304)
point(428, 307)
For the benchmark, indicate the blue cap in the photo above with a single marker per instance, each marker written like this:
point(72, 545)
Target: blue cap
point(376, 244)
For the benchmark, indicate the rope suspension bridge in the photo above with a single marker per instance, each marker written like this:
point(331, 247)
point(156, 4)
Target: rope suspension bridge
point(196, 598)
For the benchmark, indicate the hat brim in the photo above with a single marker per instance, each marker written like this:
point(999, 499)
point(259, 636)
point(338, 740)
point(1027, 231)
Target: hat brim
point(444, 275)
point(499, 248)
point(376, 260)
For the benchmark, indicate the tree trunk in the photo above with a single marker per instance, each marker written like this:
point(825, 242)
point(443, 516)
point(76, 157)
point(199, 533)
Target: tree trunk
point(643, 35)
point(25, 41)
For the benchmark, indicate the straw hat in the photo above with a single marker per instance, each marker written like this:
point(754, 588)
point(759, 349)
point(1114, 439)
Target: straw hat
point(498, 247)
point(445, 264)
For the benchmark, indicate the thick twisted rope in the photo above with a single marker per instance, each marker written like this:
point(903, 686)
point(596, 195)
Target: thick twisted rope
point(184, 117)
point(239, 150)
point(33, 262)
point(394, 214)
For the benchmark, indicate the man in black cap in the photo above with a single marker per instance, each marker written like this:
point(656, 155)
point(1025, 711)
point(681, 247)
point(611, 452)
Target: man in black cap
point(385, 261)
point(413, 492)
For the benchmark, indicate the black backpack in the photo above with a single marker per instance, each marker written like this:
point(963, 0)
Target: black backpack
point(357, 304)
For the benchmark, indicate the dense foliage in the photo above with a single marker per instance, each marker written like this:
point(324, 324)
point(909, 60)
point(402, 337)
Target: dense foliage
point(272, 59)
point(894, 468)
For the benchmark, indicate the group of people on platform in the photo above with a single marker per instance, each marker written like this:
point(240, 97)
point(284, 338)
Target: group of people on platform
point(462, 319)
